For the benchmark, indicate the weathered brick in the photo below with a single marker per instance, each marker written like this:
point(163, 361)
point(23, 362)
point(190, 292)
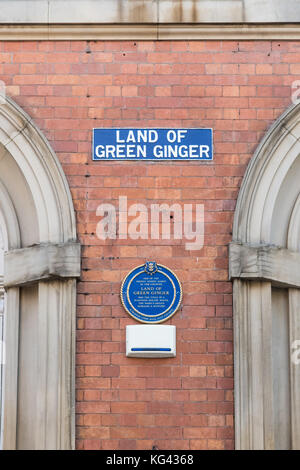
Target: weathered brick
point(238, 90)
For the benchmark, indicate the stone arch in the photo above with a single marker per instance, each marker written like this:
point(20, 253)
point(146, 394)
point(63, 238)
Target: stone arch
point(265, 267)
point(3, 244)
point(41, 264)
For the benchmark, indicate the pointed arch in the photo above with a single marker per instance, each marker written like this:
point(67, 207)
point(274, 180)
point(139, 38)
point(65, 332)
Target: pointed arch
point(41, 264)
point(265, 267)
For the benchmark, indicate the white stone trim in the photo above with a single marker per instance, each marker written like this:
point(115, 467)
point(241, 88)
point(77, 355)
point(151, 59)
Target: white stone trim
point(268, 208)
point(132, 32)
point(41, 262)
point(149, 11)
point(253, 370)
point(43, 173)
point(278, 149)
point(51, 206)
point(11, 232)
point(11, 334)
point(9, 220)
point(294, 228)
point(265, 262)
point(55, 427)
point(294, 323)
point(293, 242)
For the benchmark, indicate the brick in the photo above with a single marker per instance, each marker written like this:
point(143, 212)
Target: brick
point(129, 90)
point(238, 90)
point(162, 91)
point(231, 91)
point(198, 383)
point(215, 444)
point(197, 371)
point(167, 383)
point(194, 433)
point(198, 444)
point(91, 395)
point(130, 407)
point(112, 91)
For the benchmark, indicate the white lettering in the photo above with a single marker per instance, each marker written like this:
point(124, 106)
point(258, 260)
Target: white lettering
point(118, 137)
point(123, 217)
point(118, 460)
point(171, 136)
point(172, 216)
point(183, 151)
point(181, 134)
point(110, 151)
point(204, 149)
point(194, 151)
point(173, 151)
point(153, 136)
point(107, 227)
point(130, 137)
point(120, 150)
point(141, 222)
point(141, 151)
point(142, 136)
point(198, 234)
point(166, 210)
point(158, 151)
point(100, 153)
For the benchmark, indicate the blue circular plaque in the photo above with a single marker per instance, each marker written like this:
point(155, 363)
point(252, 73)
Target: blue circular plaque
point(151, 293)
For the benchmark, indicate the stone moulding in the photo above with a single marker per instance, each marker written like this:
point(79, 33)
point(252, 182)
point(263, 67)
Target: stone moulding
point(52, 262)
point(148, 11)
point(41, 262)
point(265, 262)
point(148, 31)
point(264, 255)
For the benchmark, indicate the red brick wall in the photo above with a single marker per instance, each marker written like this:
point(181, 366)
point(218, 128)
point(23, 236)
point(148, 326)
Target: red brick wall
point(238, 89)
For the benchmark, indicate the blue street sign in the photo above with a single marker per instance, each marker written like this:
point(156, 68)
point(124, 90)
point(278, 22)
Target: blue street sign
point(151, 293)
point(153, 144)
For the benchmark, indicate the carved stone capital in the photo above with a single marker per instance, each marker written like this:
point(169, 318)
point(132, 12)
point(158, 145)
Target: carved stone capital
point(264, 263)
point(41, 262)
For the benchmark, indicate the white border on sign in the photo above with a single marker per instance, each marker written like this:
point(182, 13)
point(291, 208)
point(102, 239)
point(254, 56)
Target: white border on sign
point(150, 160)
